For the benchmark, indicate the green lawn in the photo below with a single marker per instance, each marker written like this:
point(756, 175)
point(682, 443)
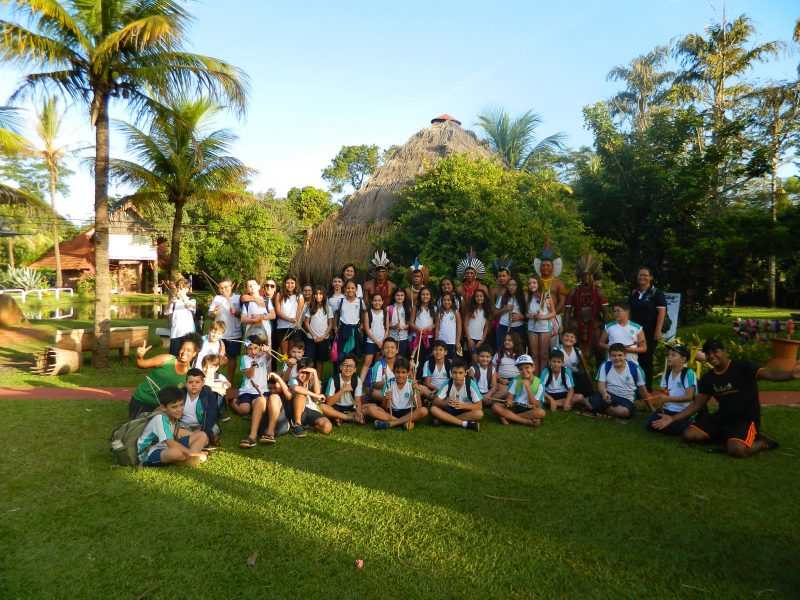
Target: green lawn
point(577, 509)
point(760, 312)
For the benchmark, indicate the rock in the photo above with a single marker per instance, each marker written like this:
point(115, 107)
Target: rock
point(10, 314)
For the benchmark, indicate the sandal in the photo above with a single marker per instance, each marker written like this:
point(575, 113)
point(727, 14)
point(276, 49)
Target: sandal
point(503, 420)
point(267, 439)
point(248, 443)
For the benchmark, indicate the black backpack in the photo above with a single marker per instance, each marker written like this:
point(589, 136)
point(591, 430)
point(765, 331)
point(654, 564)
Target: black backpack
point(337, 383)
point(563, 378)
point(431, 362)
point(467, 382)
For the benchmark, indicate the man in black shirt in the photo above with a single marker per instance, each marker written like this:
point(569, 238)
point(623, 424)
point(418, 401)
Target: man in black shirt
point(737, 422)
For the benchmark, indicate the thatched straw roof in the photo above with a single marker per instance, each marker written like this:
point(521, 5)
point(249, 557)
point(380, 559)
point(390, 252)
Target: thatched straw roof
point(350, 236)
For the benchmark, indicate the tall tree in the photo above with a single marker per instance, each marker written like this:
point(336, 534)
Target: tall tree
point(311, 205)
point(515, 139)
point(714, 67)
point(102, 50)
point(352, 166)
point(776, 124)
point(646, 87)
point(181, 159)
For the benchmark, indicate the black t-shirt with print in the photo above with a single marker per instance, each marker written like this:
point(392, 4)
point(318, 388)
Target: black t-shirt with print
point(736, 391)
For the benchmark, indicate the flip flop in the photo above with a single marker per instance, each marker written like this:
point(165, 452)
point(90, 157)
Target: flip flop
point(248, 443)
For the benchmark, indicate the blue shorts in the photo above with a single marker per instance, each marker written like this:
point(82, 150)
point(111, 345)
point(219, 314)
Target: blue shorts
point(518, 409)
point(399, 413)
point(317, 351)
point(246, 398)
point(597, 403)
point(370, 347)
point(344, 409)
point(457, 412)
point(233, 348)
point(154, 458)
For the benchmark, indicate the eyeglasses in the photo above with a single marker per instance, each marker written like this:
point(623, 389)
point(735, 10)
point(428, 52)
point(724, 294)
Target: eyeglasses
point(269, 285)
point(347, 366)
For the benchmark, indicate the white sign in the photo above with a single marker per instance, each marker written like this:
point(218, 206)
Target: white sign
point(673, 307)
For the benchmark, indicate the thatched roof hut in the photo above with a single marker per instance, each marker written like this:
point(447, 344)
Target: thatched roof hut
point(350, 236)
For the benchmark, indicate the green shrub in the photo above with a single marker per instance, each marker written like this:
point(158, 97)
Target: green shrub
point(23, 277)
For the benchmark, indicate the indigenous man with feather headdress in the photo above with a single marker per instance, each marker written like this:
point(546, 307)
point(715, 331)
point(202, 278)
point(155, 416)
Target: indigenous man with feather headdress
point(587, 306)
point(470, 271)
point(548, 268)
point(380, 267)
point(418, 277)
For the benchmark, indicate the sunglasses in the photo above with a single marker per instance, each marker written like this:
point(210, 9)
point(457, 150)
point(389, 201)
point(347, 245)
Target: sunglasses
point(269, 285)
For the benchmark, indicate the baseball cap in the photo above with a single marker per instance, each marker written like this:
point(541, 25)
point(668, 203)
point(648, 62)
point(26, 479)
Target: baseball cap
point(713, 344)
point(523, 359)
point(680, 349)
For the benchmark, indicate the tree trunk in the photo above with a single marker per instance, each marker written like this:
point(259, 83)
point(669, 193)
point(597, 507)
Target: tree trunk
point(11, 251)
point(773, 205)
point(56, 248)
point(175, 249)
point(102, 293)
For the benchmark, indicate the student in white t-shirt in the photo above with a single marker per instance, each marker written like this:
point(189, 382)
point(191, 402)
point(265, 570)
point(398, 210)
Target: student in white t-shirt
point(375, 324)
point(448, 325)
point(485, 375)
point(523, 401)
point(478, 314)
point(401, 402)
point(318, 324)
point(678, 388)
point(624, 331)
point(458, 401)
point(257, 313)
point(399, 314)
point(559, 386)
point(347, 319)
point(435, 370)
point(344, 395)
point(289, 305)
point(226, 307)
point(181, 309)
point(619, 382)
point(213, 344)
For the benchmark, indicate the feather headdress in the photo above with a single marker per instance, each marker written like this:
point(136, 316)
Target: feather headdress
point(418, 266)
point(380, 260)
point(470, 261)
point(588, 264)
point(504, 263)
point(548, 254)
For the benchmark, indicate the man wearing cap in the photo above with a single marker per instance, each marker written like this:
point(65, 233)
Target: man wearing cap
point(737, 421)
point(523, 403)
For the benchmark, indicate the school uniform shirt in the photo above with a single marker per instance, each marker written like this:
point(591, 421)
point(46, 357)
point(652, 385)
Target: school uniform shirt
point(289, 308)
point(402, 397)
point(447, 327)
point(456, 303)
point(397, 316)
point(318, 322)
point(260, 376)
point(182, 318)
point(675, 389)
point(218, 378)
point(556, 386)
point(481, 376)
point(377, 327)
point(191, 416)
point(621, 384)
point(381, 372)
point(154, 437)
point(506, 366)
point(311, 404)
point(461, 394)
point(572, 360)
point(424, 320)
point(350, 312)
point(627, 335)
point(517, 389)
point(438, 375)
point(506, 316)
point(252, 309)
point(206, 349)
point(334, 302)
point(348, 398)
point(233, 325)
point(476, 324)
point(286, 367)
point(538, 325)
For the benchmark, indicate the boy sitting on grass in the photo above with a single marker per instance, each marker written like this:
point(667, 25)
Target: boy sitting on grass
point(157, 445)
point(382, 370)
point(199, 409)
point(559, 387)
point(619, 381)
point(212, 344)
point(435, 371)
point(485, 375)
point(400, 395)
point(255, 370)
point(678, 386)
point(269, 417)
point(218, 384)
point(344, 394)
point(523, 402)
point(459, 401)
point(296, 351)
point(306, 410)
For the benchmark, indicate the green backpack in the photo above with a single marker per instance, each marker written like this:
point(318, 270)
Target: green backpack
point(123, 441)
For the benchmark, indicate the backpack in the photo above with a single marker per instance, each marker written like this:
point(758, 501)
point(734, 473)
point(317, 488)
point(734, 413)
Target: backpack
point(632, 367)
point(681, 377)
point(431, 362)
point(368, 379)
point(476, 368)
point(337, 382)
point(123, 441)
point(563, 378)
point(467, 382)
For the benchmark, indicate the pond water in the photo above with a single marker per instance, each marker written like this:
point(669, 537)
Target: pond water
point(84, 311)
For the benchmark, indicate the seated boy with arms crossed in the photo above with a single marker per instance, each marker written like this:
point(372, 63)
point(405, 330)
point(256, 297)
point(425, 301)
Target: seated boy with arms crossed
point(200, 409)
point(559, 387)
point(459, 401)
point(619, 381)
point(344, 394)
point(157, 445)
point(523, 403)
point(400, 396)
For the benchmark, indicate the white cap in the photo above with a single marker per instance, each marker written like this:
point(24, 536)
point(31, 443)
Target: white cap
point(523, 359)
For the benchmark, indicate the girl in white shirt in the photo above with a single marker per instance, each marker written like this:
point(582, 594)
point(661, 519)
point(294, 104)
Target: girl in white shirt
point(423, 321)
point(479, 321)
point(375, 325)
point(399, 315)
point(448, 325)
point(288, 308)
point(318, 321)
point(540, 313)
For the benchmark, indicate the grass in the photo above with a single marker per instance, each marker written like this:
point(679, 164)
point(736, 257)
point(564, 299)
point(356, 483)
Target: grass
point(760, 312)
point(588, 509)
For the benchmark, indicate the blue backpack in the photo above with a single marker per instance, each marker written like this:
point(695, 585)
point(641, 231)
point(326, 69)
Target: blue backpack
point(632, 367)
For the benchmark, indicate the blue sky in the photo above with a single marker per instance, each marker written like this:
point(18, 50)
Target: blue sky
point(326, 74)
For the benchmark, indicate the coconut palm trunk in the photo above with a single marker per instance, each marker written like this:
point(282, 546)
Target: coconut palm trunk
point(175, 248)
point(56, 247)
point(102, 282)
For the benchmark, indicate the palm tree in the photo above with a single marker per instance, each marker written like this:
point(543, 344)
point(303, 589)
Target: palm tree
point(182, 159)
point(101, 50)
point(515, 140)
point(48, 124)
point(646, 87)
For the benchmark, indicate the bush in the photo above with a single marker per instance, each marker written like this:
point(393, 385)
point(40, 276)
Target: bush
point(23, 277)
point(84, 285)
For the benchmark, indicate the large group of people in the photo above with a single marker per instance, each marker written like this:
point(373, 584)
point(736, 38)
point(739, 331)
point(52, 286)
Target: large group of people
point(404, 355)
